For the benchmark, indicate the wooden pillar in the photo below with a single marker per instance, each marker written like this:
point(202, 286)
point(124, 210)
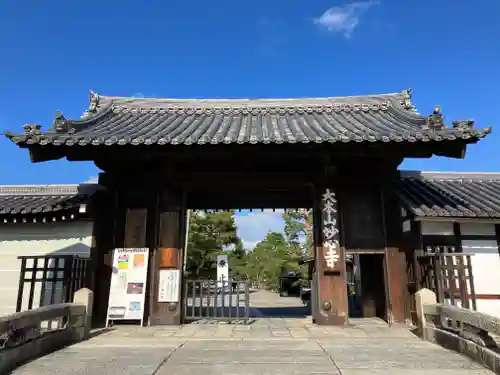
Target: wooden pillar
point(497, 235)
point(135, 237)
point(396, 278)
point(103, 209)
point(135, 227)
point(129, 227)
point(167, 266)
point(417, 250)
point(330, 274)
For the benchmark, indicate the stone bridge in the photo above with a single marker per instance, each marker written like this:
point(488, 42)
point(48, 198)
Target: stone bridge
point(285, 346)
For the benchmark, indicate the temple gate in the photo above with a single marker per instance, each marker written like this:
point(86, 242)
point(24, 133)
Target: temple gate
point(337, 155)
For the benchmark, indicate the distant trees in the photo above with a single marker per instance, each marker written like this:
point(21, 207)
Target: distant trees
point(270, 258)
point(214, 233)
point(298, 229)
point(238, 261)
point(210, 234)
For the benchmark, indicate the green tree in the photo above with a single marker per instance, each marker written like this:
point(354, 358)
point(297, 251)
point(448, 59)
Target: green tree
point(299, 234)
point(239, 251)
point(238, 261)
point(209, 235)
point(298, 229)
point(270, 258)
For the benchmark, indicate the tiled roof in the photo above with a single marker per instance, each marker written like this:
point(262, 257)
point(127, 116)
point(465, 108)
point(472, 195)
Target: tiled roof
point(370, 118)
point(425, 194)
point(43, 199)
point(441, 194)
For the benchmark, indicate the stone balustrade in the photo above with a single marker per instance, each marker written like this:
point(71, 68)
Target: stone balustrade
point(466, 331)
point(26, 335)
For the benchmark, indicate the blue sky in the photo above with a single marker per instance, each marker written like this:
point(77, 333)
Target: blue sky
point(52, 52)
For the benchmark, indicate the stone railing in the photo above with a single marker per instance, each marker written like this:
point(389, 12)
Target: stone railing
point(469, 332)
point(24, 335)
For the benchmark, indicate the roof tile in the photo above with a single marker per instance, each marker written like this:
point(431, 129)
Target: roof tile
point(369, 118)
point(439, 194)
point(38, 199)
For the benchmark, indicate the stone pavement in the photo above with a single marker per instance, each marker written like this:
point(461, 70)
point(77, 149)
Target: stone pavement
point(278, 346)
point(283, 345)
point(265, 304)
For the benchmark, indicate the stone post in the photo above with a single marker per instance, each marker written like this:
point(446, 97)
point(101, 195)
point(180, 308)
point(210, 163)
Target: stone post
point(423, 297)
point(85, 297)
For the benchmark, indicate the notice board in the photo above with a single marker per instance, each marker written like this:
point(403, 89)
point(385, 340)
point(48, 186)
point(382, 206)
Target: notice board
point(128, 284)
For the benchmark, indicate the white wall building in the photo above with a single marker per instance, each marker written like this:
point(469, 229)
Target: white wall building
point(51, 220)
point(458, 213)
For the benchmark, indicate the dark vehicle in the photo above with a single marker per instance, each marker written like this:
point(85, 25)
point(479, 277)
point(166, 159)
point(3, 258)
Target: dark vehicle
point(234, 286)
point(305, 294)
point(290, 284)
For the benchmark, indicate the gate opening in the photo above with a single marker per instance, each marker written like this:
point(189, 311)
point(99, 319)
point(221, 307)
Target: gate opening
point(366, 285)
point(240, 280)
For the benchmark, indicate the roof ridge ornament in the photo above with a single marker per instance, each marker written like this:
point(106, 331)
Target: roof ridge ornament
point(435, 120)
point(463, 125)
point(94, 101)
point(406, 102)
point(93, 104)
point(32, 129)
point(60, 124)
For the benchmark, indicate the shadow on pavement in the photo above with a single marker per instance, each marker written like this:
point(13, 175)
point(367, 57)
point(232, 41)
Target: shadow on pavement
point(280, 312)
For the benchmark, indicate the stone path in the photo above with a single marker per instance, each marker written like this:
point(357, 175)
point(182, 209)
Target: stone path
point(264, 304)
point(270, 346)
point(278, 346)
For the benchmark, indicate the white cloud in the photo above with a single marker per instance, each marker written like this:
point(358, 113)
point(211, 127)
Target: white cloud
point(254, 226)
point(344, 19)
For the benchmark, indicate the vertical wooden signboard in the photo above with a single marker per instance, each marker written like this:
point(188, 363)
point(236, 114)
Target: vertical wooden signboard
point(330, 261)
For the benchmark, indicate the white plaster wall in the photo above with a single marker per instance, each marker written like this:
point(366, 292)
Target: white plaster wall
point(477, 229)
point(59, 238)
point(485, 264)
point(437, 228)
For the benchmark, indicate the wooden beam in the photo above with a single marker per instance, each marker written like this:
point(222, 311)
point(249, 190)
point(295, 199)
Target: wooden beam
point(257, 201)
point(39, 154)
point(497, 235)
point(452, 219)
point(283, 152)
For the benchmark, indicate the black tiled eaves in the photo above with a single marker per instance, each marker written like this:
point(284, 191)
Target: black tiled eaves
point(32, 200)
point(122, 121)
point(440, 194)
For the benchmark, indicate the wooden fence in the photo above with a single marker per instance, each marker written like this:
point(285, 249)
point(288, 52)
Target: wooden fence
point(448, 275)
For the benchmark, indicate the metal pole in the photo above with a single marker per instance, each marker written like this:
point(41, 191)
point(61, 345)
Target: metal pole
point(186, 240)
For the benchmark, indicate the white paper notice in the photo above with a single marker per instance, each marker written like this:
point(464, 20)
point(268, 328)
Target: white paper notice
point(168, 288)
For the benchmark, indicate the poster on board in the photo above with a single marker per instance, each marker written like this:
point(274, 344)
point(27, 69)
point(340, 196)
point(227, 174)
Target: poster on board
point(128, 284)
